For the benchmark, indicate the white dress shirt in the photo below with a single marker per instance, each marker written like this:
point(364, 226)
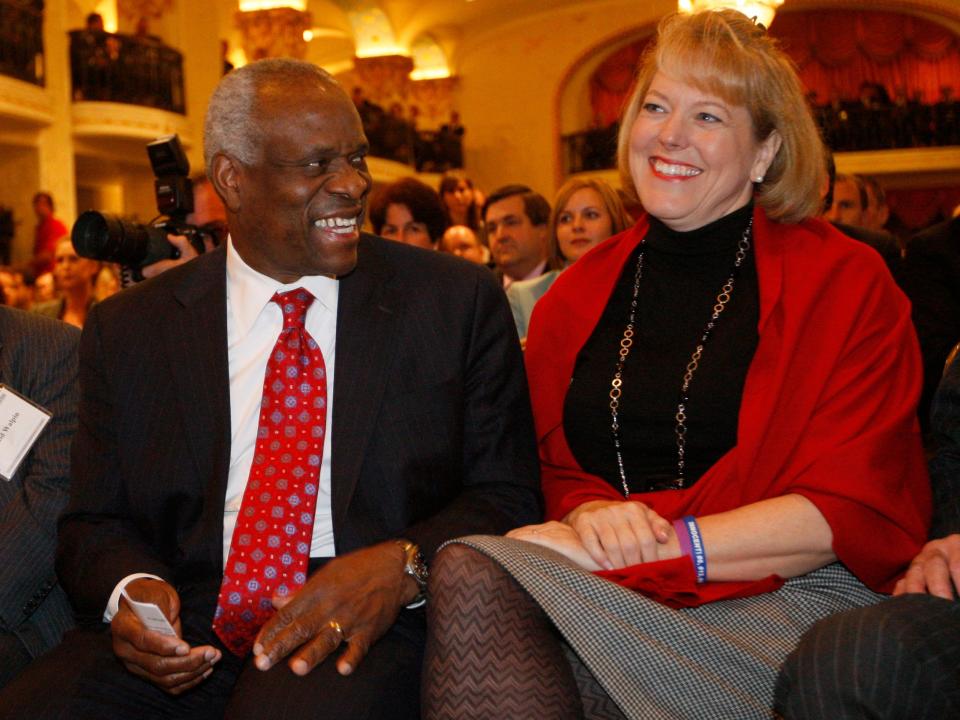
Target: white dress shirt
point(253, 326)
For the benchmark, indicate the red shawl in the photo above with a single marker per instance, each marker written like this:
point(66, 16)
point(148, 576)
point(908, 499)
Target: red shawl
point(828, 407)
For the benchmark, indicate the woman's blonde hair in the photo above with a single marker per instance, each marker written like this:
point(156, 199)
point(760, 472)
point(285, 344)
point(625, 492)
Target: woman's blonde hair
point(619, 219)
point(724, 53)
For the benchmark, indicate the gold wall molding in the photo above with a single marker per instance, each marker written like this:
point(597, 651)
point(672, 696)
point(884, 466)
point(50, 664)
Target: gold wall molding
point(104, 119)
point(25, 102)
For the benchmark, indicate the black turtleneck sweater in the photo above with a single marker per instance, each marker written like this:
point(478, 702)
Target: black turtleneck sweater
point(682, 276)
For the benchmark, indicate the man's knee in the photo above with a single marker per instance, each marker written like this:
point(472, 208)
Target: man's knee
point(386, 685)
point(887, 660)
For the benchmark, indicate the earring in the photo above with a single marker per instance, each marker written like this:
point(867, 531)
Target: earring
point(759, 179)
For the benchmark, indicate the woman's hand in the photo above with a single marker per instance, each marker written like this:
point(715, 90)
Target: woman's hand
point(620, 533)
point(560, 537)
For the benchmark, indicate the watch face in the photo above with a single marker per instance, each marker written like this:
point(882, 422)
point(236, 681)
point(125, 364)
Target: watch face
point(415, 567)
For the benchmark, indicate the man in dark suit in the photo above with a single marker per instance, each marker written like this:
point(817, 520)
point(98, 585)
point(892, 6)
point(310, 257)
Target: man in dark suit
point(38, 360)
point(901, 657)
point(930, 277)
point(428, 436)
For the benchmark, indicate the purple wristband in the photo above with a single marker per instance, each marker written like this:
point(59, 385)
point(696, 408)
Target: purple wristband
point(683, 537)
point(691, 544)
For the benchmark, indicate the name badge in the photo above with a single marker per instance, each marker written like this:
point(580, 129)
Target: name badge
point(21, 423)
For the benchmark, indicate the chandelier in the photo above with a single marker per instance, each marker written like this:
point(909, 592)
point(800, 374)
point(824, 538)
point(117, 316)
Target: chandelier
point(762, 10)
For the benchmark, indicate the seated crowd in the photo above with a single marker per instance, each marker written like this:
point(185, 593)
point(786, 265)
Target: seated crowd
point(499, 458)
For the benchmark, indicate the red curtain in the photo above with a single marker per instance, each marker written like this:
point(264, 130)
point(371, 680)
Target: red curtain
point(919, 208)
point(612, 83)
point(835, 51)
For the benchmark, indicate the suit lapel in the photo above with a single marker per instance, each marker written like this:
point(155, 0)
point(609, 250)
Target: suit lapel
point(196, 340)
point(367, 310)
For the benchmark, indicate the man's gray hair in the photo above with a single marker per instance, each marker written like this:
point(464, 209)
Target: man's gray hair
point(230, 125)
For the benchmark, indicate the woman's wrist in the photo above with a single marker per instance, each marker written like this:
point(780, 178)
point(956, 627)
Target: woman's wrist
point(690, 542)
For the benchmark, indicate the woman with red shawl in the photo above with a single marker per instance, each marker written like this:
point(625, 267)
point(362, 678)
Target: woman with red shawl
point(724, 399)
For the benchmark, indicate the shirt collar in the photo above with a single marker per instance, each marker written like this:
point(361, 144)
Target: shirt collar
point(539, 270)
point(249, 291)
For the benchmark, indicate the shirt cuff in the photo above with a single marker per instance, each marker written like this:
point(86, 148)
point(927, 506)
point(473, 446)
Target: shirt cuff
point(113, 605)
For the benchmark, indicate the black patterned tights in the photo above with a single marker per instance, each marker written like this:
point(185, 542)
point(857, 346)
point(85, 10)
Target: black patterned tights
point(492, 653)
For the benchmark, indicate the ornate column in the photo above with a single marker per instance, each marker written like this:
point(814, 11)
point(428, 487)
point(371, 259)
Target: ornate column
point(435, 100)
point(385, 79)
point(275, 32)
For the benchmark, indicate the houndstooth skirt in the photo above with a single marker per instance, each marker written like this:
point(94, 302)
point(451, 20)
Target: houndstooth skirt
point(716, 662)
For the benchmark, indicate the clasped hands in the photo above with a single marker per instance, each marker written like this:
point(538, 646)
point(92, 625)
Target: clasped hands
point(606, 535)
point(353, 599)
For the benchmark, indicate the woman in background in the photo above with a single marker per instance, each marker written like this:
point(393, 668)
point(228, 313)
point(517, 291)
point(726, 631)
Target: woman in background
point(409, 212)
point(460, 199)
point(585, 213)
point(73, 277)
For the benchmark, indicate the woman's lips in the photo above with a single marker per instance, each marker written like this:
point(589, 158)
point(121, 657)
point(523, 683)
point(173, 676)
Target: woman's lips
point(673, 170)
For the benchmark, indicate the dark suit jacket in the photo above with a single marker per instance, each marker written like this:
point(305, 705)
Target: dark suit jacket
point(945, 463)
point(432, 433)
point(931, 278)
point(38, 359)
point(880, 240)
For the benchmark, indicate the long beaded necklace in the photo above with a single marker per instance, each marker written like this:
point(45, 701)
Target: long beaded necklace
point(626, 342)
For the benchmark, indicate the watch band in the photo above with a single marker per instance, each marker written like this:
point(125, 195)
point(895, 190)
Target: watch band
point(415, 568)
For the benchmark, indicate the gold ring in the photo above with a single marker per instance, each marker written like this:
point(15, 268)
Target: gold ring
point(336, 626)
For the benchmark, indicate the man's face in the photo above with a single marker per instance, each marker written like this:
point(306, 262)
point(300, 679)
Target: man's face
point(297, 209)
point(877, 213)
point(461, 241)
point(846, 208)
point(207, 206)
point(8, 288)
point(517, 245)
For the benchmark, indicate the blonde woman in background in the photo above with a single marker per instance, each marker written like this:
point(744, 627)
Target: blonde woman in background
point(585, 213)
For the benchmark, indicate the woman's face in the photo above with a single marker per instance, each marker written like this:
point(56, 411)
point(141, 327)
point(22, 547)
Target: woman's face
point(583, 223)
point(459, 199)
point(70, 270)
point(399, 225)
point(693, 156)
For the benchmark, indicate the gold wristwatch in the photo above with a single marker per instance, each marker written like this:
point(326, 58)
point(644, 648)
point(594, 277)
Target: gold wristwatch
point(415, 568)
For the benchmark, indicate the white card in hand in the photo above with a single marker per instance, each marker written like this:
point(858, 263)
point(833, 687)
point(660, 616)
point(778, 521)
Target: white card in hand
point(150, 615)
point(20, 425)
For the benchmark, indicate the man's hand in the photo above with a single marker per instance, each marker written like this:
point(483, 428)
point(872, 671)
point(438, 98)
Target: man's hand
point(166, 661)
point(560, 537)
point(354, 598)
point(935, 570)
point(187, 253)
point(619, 533)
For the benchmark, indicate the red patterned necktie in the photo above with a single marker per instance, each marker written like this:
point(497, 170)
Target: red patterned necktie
point(271, 540)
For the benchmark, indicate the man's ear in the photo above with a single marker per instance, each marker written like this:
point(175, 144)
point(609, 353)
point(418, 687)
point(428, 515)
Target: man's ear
point(226, 176)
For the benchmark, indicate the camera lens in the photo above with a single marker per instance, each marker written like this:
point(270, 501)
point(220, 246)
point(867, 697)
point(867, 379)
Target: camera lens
point(113, 239)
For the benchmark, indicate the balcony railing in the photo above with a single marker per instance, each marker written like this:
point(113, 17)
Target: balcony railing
point(845, 128)
point(394, 138)
point(21, 41)
point(113, 67)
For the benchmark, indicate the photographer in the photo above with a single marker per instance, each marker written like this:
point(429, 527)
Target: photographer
point(208, 212)
point(190, 222)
